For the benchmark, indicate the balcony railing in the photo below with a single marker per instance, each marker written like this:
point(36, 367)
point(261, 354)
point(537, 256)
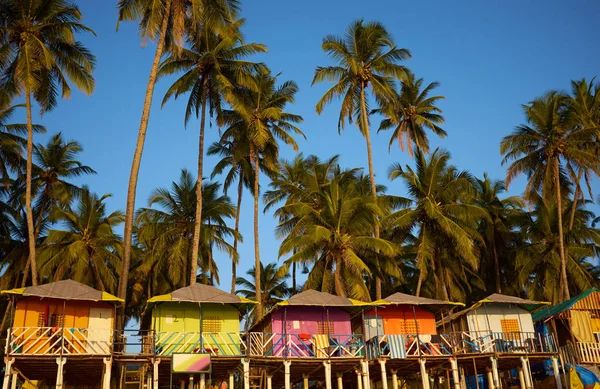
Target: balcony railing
point(580, 352)
point(499, 342)
point(214, 343)
point(306, 345)
point(400, 346)
point(59, 341)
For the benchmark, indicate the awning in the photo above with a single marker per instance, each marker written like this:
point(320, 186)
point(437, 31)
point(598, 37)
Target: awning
point(548, 312)
point(64, 290)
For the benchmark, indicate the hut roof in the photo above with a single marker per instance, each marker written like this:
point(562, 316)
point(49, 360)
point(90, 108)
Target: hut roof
point(496, 298)
point(64, 290)
point(200, 293)
point(546, 313)
point(311, 298)
point(407, 299)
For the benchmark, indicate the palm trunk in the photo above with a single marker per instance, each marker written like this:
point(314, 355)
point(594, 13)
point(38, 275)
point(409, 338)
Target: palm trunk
point(97, 277)
point(294, 284)
point(137, 157)
point(237, 229)
point(28, 209)
point(365, 125)
point(259, 307)
point(198, 219)
point(563, 260)
point(496, 265)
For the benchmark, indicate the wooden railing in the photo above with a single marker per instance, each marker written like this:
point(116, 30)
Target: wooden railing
point(58, 341)
point(474, 342)
point(580, 352)
point(400, 346)
point(306, 345)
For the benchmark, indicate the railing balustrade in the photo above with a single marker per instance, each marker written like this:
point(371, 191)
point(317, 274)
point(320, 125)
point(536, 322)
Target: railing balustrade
point(59, 341)
point(499, 342)
point(306, 345)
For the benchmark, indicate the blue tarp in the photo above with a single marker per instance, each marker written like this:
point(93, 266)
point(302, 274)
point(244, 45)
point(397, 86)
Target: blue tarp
point(587, 377)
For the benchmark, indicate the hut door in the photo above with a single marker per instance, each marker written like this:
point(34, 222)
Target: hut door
point(373, 327)
point(99, 329)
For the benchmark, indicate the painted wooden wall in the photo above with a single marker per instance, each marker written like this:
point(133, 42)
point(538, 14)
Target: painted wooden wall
point(304, 320)
point(488, 318)
point(400, 319)
point(28, 311)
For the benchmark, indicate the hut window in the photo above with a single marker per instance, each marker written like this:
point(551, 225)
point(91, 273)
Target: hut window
point(41, 320)
point(324, 327)
point(57, 320)
point(511, 326)
point(411, 327)
point(211, 324)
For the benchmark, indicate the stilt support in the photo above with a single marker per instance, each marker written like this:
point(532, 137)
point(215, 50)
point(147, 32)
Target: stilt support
point(191, 382)
point(424, 375)
point(495, 374)
point(286, 366)
point(13, 382)
point(384, 382)
point(269, 381)
point(556, 373)
point(394, 379)
point(246, 364)
point(202, 381)
point(305, 380)
point(107, 373)
point(155, 374)
point(7, 372)
point(365, 375)
point(340, 380)
point(490, 377)
point(522, 383)
point(59, 373)
point(527, 373)
point(359, 379)
point(231, 380)
point(327, 365)
point(455, 376)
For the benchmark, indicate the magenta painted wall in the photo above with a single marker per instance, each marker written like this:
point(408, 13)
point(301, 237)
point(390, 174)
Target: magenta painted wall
point(303, 320)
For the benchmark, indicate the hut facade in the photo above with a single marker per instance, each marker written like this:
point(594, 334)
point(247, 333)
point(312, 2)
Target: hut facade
point(575, 324)
point(58, 326)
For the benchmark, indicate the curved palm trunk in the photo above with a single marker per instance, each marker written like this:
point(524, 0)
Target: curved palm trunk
point(294, 283)
point(259, 306)
point(496, 265)
point(28, 209)
point(198, 218)
point(365, 123)
point(237, 229)
point(563, 260)
point(137, 157)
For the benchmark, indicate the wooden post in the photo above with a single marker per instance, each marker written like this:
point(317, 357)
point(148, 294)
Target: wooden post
point(107, 373)
point(359, 379)
point(7, 372)
point(327, 365)
point(305, 380)
point(191, 382)
point(202, 381)
point(59, 373)
point(269, 381)
point(246, 364)
point(495, 375)
point(384, 383)
point(13, 382)
point(394, 379)
point(155, 374)
point(526, 373)
point(286, 365)
point(365, 375)
point(340, 382)
point(522, 383)
point(455, 377)
point(476, 374)
point(556, 373)
point(490, 378)
point(424, 375)
point(231, 381)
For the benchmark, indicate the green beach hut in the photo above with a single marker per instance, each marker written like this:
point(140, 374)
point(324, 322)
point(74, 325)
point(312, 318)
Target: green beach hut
point(198, 319)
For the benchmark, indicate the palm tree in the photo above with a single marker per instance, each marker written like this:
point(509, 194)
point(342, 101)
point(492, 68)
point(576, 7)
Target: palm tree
point(87, 250)
point(12, 143)
point(165, 233)
point(39, 56)
point(259, 113)
point(538, 258)
point(210, 66)
point(331, 228)
point(441, 215)
point(163, 22)
point(367, 59)
point(497, 228)
point(273, 284)
point(410, 113)
point(537, 148)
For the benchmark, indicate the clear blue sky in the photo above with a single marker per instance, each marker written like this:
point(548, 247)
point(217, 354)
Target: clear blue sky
point(490, 57)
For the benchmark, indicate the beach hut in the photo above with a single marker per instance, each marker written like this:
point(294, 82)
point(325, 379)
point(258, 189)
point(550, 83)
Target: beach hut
point(57, 326)
point(196, 330)
point(575, 324)
point(498, 323)
point(402, 325)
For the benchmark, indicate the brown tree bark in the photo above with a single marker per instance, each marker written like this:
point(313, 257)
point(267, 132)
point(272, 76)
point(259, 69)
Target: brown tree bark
point(259, 306)
point(137, 158)
point(563, 261)
point(28, 209)
point(198, 217)
point(237, 229)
